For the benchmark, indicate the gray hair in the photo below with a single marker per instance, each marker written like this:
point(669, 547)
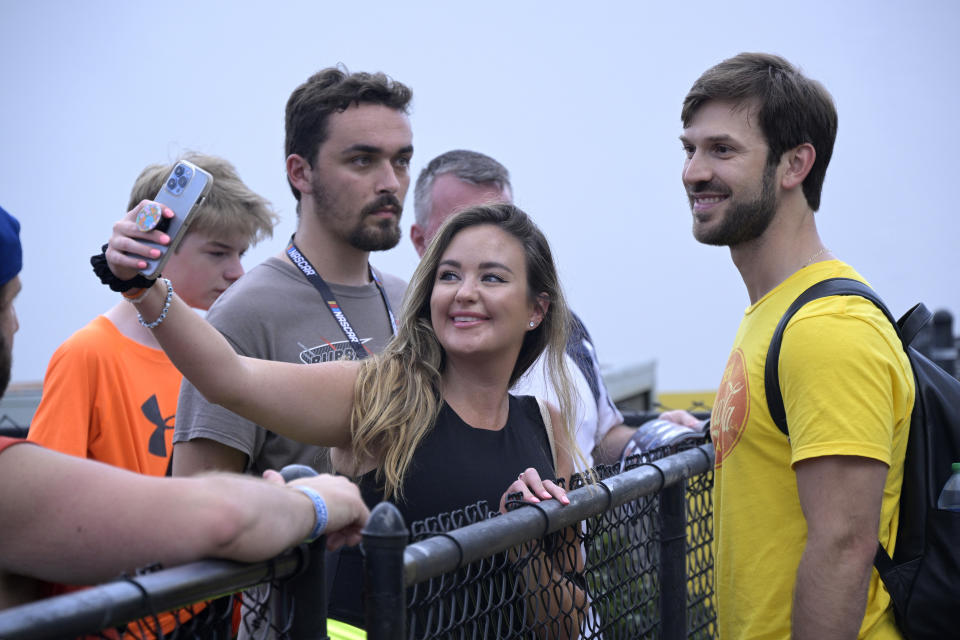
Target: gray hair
point(469, 166)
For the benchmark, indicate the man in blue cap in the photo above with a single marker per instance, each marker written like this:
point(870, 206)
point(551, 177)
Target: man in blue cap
point(11, 260)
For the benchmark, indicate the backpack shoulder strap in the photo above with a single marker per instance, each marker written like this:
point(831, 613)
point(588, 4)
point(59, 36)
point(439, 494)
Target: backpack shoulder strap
point(822, 289)
point(913, 321)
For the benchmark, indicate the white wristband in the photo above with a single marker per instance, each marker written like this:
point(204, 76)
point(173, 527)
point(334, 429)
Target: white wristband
point(319, 508)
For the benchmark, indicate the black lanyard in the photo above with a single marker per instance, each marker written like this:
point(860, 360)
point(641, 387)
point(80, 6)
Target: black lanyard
point(318, 282)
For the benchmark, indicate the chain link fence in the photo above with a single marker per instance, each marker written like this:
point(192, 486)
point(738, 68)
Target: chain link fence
point(629, 557)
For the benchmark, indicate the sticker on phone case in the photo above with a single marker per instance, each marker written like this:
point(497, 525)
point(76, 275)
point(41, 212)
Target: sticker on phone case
point(149, 216)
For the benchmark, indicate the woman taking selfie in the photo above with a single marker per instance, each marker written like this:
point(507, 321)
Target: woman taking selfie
point(428, 423)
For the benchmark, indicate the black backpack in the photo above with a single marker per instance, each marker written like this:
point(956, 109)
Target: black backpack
point(923, 577)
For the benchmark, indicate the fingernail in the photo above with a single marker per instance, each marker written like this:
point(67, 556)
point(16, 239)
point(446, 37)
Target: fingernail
point(545, 494)
point(155, 253)
point(534, 499)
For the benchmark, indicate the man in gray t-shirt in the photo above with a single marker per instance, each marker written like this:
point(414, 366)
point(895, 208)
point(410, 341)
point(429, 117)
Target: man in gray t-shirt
point(348, 146)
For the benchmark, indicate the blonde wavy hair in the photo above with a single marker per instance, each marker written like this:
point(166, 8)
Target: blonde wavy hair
point(397, 394)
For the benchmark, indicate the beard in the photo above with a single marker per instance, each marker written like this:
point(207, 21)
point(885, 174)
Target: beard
point(6, 363)
point(745, 220)
point(383, 234)
point(364, 235)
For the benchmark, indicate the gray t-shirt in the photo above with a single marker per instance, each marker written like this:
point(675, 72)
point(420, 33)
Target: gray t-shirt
point(274, 313)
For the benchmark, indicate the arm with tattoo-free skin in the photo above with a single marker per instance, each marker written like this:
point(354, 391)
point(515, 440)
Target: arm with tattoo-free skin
point(613, 443)
point(841, 498)
point(76, 521)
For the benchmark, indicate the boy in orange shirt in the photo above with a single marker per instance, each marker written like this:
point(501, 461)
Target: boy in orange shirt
point(110, 393)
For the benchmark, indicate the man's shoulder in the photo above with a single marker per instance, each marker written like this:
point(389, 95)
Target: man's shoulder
point(846, 331)
point(578, 330)
point(767, 312)
point(850, 333)
point(269, 274)
point(850, 314)
point(536, 381)
point(256, 291)
point(395, 286)
point(91, 339)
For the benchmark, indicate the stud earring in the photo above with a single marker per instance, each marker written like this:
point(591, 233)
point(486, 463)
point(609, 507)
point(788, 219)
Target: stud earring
point(532, 324)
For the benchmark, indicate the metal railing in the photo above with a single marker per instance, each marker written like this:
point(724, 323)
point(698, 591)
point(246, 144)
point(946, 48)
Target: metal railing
point(629, 557)
point(635, 532)
point(105, 610)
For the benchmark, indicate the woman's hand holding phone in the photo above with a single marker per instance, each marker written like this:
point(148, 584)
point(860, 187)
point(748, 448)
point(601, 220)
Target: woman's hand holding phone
point(127, 253)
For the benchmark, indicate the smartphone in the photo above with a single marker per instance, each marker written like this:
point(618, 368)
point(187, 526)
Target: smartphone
point(183, 192)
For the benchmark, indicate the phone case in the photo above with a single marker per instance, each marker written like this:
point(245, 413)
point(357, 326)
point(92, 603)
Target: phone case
point(183, 192)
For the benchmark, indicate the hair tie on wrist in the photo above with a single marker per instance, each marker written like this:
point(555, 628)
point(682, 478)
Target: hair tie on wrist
point(319, 508)
point(102, 269)
point(135, 296)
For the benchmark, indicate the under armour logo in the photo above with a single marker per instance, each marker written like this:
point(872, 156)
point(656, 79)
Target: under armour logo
point(158, 443)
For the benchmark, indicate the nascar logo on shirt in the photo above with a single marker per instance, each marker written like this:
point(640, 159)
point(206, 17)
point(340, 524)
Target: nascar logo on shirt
point(329, 352)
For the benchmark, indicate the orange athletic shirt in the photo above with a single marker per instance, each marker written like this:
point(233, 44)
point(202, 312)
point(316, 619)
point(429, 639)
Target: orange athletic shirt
point(109, 398)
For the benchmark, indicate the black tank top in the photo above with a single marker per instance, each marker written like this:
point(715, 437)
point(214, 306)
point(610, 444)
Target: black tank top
point(455, 465)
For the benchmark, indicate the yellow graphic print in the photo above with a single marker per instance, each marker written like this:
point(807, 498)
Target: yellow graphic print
point(732, 407)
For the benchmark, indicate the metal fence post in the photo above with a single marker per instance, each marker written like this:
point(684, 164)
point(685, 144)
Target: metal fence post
point(385, 606)
point(308, 589)
point(673, 562)
point(307, 597)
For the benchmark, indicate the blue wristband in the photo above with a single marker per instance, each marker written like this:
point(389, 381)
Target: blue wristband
point(320, 509)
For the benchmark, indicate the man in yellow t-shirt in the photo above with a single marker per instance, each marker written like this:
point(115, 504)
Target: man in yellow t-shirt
point(796, 521)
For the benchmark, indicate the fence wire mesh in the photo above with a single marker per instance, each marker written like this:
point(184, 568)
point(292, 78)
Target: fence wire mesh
point(207, 620)
point(599, 580)
point(266, 611)
point(143, 606)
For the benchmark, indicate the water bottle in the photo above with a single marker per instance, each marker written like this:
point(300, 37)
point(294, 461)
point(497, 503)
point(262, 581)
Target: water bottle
point(950, 496)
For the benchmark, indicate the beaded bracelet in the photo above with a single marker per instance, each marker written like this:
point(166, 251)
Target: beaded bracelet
point(163, 312)
point(319, 508)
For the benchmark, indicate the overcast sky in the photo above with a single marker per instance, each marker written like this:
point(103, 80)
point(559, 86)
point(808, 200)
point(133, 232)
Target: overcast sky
point(580, 100)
